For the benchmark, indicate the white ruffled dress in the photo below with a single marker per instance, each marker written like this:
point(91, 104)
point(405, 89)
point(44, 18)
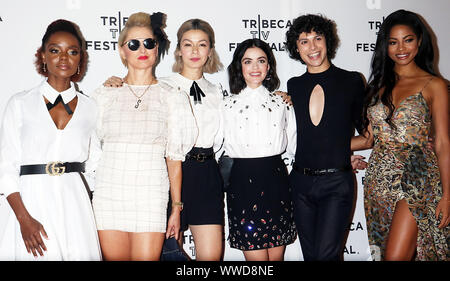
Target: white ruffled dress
point(132, 184)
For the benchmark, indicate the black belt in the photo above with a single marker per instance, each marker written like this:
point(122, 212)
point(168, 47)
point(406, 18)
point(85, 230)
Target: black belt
point(200, 154)
point(320, 172)
point(52, 168)
point(200, 157)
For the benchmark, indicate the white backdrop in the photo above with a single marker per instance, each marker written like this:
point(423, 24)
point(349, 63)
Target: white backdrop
point(23, 23)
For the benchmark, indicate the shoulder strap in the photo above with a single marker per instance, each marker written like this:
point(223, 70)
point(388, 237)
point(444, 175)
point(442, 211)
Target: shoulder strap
point(86, 185)
point(224, 92)
point(426, 84)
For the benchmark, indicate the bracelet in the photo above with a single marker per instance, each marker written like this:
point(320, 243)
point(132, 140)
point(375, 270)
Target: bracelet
point(180, 204)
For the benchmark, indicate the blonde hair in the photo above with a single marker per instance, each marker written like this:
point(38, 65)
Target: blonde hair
point(138, 19)
point(213, 63)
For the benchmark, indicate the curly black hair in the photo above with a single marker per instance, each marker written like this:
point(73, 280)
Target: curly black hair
point(308, 23)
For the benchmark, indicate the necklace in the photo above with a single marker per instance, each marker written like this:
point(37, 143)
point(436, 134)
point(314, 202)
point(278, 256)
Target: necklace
point(139, 100)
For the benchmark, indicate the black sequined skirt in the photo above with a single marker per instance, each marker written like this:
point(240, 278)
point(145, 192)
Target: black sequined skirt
point(260, 210)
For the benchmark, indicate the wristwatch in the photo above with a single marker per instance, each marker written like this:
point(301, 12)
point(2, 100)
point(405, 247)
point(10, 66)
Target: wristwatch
point(178, 204)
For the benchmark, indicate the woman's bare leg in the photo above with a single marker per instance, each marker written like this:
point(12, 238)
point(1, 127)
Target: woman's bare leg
point(127, 246)
point(256, 255)
point(277, 253)
point(146, 246)
point(208, 240)
point(402, 240)
point(115, 245)
point(271, 254)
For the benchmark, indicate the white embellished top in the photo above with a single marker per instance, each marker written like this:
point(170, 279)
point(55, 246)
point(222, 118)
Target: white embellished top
point(258, 123)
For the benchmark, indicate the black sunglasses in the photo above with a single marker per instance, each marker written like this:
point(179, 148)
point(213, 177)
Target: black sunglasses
point(134, 44)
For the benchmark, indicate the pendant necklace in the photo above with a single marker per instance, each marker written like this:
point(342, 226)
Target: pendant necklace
point(139, 100)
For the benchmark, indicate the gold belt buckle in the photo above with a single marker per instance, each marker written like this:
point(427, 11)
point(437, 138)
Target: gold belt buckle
point(55, 168)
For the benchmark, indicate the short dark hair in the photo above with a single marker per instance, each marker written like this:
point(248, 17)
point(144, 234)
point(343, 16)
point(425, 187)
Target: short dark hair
point(308, 23)
point(62, 25)
point(235, 76)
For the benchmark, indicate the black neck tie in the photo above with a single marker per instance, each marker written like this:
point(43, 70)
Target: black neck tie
point(59, 100)
point(197, 93)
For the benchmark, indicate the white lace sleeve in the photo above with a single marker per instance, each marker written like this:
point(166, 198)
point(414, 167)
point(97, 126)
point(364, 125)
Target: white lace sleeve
point(103, 97)
point(182, 128)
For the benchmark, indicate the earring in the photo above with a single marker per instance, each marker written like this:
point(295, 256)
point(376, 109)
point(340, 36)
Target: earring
point(268, 75)
point(78, 70)
point(44, 68)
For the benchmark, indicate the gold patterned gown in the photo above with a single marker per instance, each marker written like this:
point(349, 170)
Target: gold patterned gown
point(402, 167)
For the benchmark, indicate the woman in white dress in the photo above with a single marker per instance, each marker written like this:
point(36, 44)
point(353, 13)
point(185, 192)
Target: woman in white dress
point(50, 123)
point(202, 195)
point(258, 128)
point(146, 128)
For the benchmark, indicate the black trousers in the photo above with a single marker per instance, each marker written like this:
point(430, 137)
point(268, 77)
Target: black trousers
point(322, 212)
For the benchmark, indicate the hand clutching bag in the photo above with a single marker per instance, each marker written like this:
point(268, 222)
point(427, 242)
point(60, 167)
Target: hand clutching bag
point(225, 165)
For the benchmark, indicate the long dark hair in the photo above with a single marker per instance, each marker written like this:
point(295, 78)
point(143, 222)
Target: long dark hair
point(235, 76)
point(382, 67)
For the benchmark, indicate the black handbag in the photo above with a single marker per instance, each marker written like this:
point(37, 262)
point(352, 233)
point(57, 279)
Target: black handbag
point(171, 251)
point(86, 185)
point(225, 165)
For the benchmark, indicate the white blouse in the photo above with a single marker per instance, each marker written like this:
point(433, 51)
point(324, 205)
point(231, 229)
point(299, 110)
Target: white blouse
point(206, 113)
point(258, 123)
